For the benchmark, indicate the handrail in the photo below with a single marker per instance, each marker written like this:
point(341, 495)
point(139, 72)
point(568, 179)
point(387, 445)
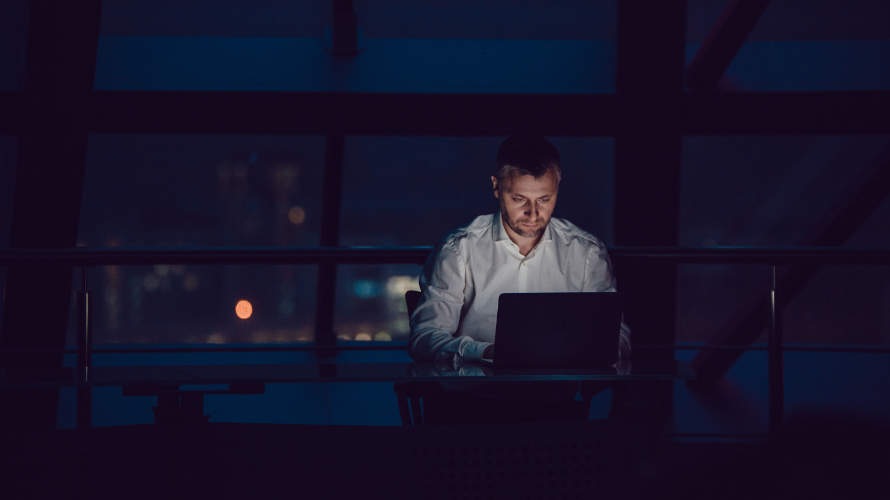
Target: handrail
point(418, 254)
point(773, 257)
point(215, 255)
point(402, 346)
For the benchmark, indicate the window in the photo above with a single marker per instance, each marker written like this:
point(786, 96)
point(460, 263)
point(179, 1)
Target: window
point(370, 304)
point(403, 47)
point(773, 191)
point(495, 19)
point(499, 46)
point(782, 191)
point(175, 304)
point(222, 18)
point(147, 191)
point(154, 190)
point(169, 45)
point(414, 190)
point(805, 46)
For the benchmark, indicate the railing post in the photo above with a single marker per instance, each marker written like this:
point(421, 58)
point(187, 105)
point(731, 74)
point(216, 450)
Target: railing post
point(84, 353)
point(326, 291)
point(775, 348)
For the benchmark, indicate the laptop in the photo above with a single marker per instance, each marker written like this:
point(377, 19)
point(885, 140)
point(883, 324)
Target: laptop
point(557, 331)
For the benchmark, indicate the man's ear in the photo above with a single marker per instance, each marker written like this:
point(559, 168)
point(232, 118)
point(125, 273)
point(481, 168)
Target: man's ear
point(494, 186)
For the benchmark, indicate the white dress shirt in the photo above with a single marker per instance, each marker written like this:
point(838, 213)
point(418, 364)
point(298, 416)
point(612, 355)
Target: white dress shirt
point(465, 275)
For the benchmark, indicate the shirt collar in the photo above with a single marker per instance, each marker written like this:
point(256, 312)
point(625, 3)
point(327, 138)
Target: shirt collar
point(499, 233)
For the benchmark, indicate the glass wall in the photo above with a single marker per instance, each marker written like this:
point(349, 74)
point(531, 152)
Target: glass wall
point(371, 302)
point(215, 18)
point(800, 45)
point(415, 190)
point(153, 191)
point(149, 191)
point(158, 191)
point(203, 304)
point(783, 191)
point(403, 47)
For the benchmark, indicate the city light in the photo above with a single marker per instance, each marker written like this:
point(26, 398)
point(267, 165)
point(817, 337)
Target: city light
point(397, 285)
point(363, 336)
point(243, 309)
point(366, 289)
point(190, 282)
point(296, 215)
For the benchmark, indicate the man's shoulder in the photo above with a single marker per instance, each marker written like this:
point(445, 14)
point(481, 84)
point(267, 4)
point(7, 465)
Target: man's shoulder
point(569, 233)
point(475, 230)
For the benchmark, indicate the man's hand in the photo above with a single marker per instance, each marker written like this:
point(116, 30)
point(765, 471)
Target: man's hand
point(488, 353)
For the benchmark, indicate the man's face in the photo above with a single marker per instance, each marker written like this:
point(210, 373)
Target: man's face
point(527, 202)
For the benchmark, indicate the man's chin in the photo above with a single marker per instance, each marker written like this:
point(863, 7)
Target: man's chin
point(527, 232)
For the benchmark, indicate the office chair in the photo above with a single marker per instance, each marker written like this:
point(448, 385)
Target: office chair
point(412, 297)
point(409, 393)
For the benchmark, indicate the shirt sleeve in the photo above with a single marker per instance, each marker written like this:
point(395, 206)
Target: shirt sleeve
point(435, 322)
point(600, 278)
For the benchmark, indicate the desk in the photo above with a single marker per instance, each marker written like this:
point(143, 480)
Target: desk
point(322, 371)
point(525, 395)
point(181, 389)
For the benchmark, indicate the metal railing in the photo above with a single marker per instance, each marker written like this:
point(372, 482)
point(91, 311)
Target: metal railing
point(84, 259)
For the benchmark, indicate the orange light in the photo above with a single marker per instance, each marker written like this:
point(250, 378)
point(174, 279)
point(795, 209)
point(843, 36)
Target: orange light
point(243, 309)
point(296, 215)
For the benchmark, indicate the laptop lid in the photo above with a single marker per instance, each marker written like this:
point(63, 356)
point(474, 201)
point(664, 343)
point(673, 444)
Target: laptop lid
point(573, 330)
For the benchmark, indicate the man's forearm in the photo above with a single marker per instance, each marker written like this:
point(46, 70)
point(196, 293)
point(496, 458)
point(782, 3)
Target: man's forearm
point(434, 345)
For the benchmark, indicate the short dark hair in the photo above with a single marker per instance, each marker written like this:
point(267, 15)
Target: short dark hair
point(527, 154)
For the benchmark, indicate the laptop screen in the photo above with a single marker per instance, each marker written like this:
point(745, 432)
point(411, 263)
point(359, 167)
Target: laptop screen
point(572, 330)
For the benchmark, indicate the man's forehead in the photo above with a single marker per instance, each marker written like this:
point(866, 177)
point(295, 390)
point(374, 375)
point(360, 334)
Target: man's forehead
point(528, 182)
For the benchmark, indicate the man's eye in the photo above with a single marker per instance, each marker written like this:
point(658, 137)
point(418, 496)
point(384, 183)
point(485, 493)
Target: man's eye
point(518, 200)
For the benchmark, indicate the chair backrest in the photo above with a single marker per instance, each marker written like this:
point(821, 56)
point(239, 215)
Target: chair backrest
point(412, 297)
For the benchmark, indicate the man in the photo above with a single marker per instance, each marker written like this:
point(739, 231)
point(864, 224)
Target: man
point(520, 248)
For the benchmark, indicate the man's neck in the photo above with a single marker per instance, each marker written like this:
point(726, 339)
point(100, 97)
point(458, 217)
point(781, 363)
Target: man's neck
point(526, 245)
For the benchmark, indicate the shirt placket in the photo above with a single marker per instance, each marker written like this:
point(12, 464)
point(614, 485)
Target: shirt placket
point(524, 271)
point(523, 275)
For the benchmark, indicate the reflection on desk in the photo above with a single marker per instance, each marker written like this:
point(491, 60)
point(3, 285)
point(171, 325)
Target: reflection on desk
point(446, 393)
point(487, 370)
